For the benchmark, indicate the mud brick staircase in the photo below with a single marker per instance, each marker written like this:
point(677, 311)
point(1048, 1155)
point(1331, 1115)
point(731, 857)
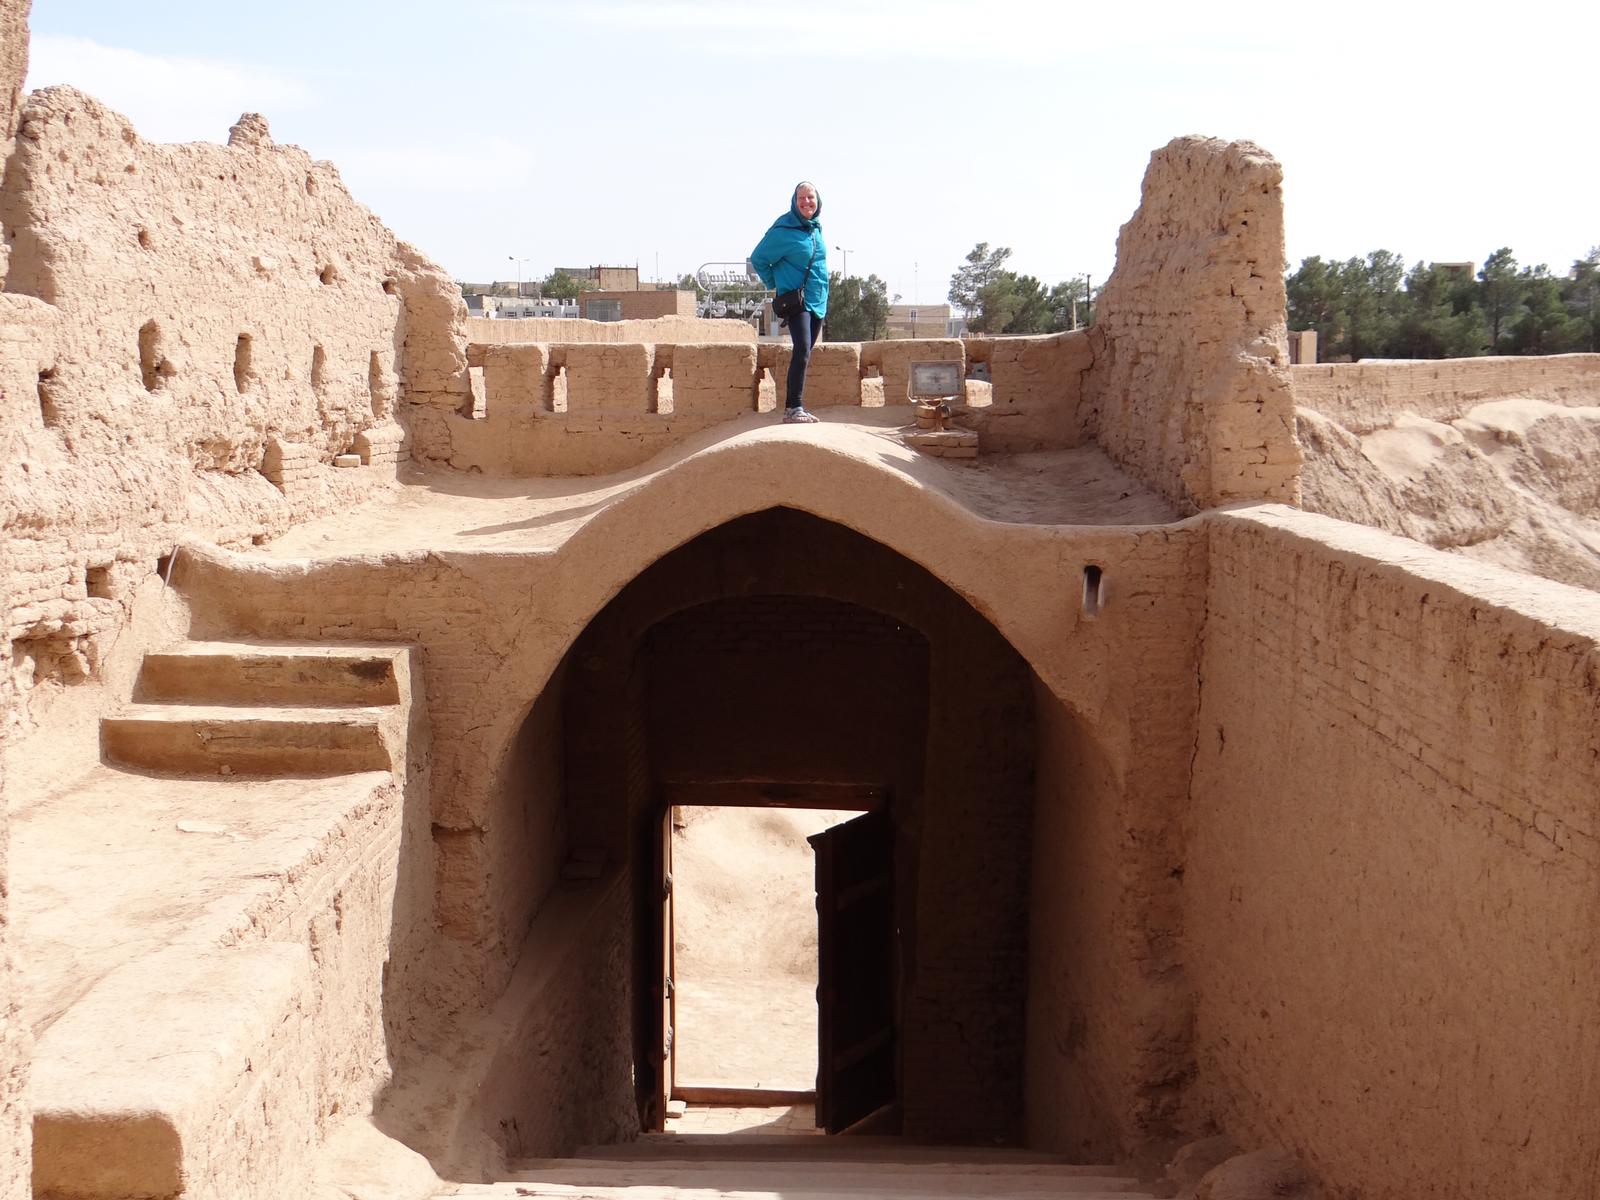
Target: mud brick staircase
point(254, 710)
point(187, 1050)
point(745, 1167)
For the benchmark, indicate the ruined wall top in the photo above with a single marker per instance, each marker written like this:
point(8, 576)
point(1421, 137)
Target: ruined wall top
point(1190, 381)
point(196, 333)
point(13, 61)
point(208, 295)
point(13, 70)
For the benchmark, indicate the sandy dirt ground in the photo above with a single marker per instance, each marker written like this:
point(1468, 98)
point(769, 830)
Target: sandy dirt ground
point(746, 946)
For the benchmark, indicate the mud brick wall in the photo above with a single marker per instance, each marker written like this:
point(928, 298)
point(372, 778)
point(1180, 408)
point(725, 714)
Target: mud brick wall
point(589, 409)
point(517, 377)
point(892, 360)
point(16, 1118)
point(1190, 381)
point(717, 381)
point(1037, 392)
point(605, 380)
point(562, 1033)
point(1110, 1007)
point(833, 376)
point(965, 992)
point(1393, 862)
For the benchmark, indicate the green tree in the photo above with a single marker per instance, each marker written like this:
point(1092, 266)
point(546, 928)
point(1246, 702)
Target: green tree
point(995, 300)
point(1433, 322)
point(1354, 305)
point(558, 285)
point(1583, 298)
point(858, 309)
point(967, 285)
point(1315, 302)
point(1373, 302)
point(1071, 304)
point(1544, 326)
point(1500, 294)
point(1030, 306)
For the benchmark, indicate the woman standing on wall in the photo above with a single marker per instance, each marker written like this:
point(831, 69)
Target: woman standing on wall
point(793, 259)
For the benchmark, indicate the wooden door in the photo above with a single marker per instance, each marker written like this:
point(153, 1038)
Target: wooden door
point(856, 1048)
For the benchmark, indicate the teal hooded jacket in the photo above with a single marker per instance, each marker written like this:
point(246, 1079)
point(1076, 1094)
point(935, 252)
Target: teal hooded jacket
point(781, 255)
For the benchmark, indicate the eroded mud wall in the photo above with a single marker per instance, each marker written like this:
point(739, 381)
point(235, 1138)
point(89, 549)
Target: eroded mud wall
point(1394, 863)
point(1190, 381)
point(15, 1118)
point(193, 334)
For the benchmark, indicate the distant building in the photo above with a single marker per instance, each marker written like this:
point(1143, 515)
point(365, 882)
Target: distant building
point(922, 321)
point(505, 308)
point(608, 279)
point(630, 305)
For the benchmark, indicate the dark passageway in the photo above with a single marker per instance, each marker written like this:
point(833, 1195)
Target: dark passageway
point(783, 652)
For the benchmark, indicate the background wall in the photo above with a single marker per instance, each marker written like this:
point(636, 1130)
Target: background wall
point(1393, 873)
point(1364, 396)
point(562, 329)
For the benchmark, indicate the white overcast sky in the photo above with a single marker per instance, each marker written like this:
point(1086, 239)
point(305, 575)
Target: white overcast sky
point(510, 136)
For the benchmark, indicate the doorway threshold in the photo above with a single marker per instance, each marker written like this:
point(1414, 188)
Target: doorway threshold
point(760, 1120)
point(741, 1097)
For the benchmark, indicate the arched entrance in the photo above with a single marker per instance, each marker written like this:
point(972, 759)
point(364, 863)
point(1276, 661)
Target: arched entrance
point(782, 651)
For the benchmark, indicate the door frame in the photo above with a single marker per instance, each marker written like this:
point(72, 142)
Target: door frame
point(728, 793)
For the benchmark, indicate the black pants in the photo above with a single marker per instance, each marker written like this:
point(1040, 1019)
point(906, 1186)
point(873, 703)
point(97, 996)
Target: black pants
point(803, 331)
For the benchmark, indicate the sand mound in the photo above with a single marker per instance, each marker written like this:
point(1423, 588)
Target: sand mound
point(1514, 482)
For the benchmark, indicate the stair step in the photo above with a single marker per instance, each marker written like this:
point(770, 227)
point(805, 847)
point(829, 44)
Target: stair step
point(741, 1147)
point(949, 1186)
point(202, 739)
point(877, 1178)
point(270, 673)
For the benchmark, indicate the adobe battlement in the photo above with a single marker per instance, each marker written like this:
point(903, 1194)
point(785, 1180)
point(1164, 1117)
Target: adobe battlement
point(560, 408)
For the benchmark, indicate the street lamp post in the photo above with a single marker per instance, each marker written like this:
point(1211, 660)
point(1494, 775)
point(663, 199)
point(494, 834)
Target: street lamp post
point(519, 262)
point(846, 253)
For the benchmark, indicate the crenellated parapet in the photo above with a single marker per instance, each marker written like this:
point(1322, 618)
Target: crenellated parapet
point(555, 408)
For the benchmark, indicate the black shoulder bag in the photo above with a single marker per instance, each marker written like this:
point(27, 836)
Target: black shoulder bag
point(789, 305)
